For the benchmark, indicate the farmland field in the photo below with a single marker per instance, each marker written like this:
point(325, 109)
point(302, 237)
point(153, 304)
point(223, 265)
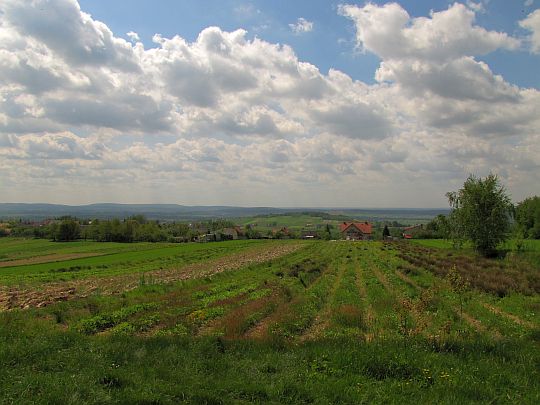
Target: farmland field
point(266, 322)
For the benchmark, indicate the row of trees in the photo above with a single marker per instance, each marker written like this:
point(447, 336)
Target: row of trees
point(133, 229)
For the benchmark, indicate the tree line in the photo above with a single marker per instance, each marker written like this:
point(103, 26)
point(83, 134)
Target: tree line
point(133, 229)
point(482, 213)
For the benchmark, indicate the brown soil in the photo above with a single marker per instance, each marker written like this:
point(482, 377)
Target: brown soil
point(49, 293)
point(47, 259)
point(475, 323)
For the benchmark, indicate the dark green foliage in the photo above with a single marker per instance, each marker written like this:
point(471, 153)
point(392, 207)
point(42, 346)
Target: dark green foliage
point(67, 230)
point(481, 213)
point(528, 217)
point(438, 227)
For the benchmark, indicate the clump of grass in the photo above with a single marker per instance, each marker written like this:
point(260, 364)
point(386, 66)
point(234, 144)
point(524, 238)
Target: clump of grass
point(71, 269)
point(350, 316)
point(177, 330)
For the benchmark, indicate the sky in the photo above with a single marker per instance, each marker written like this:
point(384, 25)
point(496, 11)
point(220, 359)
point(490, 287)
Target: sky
point(256, 103)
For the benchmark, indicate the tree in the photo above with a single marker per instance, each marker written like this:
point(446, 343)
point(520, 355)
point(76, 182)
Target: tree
point(68, 230)
point(481, 213)
point(528, 217)
point(385, 232)
point(438, 227)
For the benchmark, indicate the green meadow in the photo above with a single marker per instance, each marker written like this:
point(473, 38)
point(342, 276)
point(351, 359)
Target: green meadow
point(323, 323)
point(105, 258)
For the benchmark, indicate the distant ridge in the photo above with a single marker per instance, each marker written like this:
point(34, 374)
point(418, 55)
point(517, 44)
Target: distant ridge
point(170, 212)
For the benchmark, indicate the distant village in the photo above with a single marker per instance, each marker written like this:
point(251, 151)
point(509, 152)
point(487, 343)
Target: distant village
point(137, 228)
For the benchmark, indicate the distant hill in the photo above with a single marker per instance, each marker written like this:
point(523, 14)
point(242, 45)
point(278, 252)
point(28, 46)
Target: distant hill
point(170, 212)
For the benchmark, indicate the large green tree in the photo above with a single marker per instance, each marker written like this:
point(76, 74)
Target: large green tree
point(481, 212)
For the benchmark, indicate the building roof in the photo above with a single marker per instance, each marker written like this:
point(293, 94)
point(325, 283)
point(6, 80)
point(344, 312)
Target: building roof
point(410, 228)
point(363, 227)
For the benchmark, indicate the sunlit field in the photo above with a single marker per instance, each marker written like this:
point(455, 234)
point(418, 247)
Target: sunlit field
point(268, 322)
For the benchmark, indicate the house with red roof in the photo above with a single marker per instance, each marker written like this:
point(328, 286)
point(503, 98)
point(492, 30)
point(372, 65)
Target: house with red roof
point(356, 230)
point(410, 231)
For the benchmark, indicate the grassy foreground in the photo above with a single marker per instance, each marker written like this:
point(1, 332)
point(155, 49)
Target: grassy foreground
point(331, 322)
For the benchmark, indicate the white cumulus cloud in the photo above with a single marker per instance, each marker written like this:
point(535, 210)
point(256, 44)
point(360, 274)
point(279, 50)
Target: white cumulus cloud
point(532, 23)
point(229, 119)
point(301, 25)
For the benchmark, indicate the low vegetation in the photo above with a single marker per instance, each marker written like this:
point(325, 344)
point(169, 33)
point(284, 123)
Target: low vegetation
point(307, 322)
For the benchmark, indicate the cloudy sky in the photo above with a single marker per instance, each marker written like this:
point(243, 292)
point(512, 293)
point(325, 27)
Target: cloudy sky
point(230, 102)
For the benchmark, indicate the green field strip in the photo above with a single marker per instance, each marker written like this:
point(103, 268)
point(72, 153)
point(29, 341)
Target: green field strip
point(105, 321)
point(481, 318)
point(244, 315)
point(288, 288)
point(206, 319)
point(27, 249)
point(526, 308)
point(457, 318)
point(514, 318)
point(120, 263)
point(208, 304)
point(364, 303)
point(495, 323)
point(433, 301)
point(294, 318)
point(423, 310)
point(229, 292)
point(348, 316)
point(322, 320)
point(387, 269)
point(380, 299)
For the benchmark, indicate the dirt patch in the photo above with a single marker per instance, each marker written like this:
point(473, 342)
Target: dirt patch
point(46, 294)
point(475, 323)
point(47, 259)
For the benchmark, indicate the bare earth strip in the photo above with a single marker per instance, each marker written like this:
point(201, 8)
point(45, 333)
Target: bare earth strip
point(46, 294)
point(514, 318)
point(479, 327)
point(47, 259)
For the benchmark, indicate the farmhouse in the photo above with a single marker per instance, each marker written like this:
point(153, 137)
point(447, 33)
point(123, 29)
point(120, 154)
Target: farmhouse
point(410, 231)
point(235, 232)
point(281, 233)
point(355, 230)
